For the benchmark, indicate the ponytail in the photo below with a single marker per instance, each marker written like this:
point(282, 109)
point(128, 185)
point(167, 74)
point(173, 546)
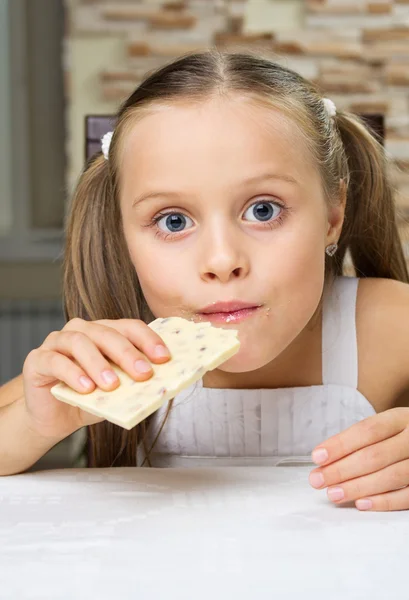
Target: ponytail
point(99, 279)
point(370, 231)
point(100, 282)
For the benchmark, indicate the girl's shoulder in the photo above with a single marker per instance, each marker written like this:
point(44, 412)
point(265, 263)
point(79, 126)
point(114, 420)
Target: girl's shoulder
point(382, 320)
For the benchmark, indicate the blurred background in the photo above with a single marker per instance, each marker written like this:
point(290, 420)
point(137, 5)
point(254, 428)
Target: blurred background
point(65, 66)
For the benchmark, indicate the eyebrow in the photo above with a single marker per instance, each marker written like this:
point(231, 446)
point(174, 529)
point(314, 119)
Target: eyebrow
point(264, 176)
point(248, 181)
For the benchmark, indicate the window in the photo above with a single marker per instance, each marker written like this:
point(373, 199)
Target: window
point(32, 135)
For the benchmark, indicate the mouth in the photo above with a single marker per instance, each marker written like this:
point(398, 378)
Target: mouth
point(228, 312)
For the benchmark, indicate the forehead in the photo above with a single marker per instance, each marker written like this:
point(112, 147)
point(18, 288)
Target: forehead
point(219, 137)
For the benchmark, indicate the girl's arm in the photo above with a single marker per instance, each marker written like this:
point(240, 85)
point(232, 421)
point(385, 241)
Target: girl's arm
point(10, 391)
point(20, 446)
point(383, 342)
point(402, 399)
point(368, 463)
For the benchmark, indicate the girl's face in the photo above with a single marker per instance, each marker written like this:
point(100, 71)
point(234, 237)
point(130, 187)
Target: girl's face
point(221, 203)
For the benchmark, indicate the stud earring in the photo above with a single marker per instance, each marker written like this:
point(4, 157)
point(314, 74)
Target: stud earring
point(331, 249)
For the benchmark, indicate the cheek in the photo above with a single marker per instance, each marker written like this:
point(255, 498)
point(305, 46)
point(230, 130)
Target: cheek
point(292, 283)
point(303, 272)
point(162, 284)
point(290, 309)
point(299, 273)
point(294, 265)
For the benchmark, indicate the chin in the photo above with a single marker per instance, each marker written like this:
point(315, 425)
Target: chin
point(244, 362)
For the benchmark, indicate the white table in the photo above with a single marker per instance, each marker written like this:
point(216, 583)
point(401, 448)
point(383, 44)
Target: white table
point(193, 534)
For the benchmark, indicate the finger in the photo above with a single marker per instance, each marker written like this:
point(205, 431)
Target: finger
point(396, 500)
point(365, 433)
point(77, 345)
point(142, 337)
point(392, 478)
point(43, 367)
point(91, 353)
point(362, 462)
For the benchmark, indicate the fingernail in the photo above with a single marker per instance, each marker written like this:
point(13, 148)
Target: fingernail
point(319, 456)
point(363, 504)
point(86, 382)
point(109, 377)
point(142, 366)
point(316, 479)
point(336, 493)
point(161, 352)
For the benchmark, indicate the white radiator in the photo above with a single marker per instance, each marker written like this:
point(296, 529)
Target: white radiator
point(24, 324)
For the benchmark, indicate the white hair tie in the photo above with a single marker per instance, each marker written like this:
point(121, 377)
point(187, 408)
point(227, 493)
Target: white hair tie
point(105, 143)
point(330, 107)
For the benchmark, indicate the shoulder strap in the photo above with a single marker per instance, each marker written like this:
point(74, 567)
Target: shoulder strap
point(339, 341)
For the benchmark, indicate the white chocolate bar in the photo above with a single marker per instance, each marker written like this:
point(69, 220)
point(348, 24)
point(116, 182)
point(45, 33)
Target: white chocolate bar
point(195, 348)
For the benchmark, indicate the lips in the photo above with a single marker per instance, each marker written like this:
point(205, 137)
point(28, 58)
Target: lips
point(226, 307)
point(229, 312)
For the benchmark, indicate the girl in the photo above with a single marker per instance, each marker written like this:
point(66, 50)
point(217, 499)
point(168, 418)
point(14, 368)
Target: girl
point(231, 188)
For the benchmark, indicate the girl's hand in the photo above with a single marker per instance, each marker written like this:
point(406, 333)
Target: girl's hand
point(78, 355)
point(367, 463)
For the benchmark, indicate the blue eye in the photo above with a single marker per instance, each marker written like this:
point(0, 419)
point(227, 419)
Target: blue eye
point(257, 212)
point(263, 211)
point(173, 222)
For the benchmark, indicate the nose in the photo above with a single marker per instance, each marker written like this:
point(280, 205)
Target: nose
point(223, 256)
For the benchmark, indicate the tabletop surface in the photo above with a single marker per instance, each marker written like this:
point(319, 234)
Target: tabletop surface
point(193, 534)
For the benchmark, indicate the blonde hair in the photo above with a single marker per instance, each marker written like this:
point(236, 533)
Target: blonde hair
point(100, 281)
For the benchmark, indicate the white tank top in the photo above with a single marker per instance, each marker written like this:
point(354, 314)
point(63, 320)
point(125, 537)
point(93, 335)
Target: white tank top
point(230, 427)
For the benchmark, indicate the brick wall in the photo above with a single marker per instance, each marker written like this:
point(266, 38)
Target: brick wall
point(357, 51)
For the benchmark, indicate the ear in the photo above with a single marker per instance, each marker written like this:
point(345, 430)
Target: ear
point(336, 214)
